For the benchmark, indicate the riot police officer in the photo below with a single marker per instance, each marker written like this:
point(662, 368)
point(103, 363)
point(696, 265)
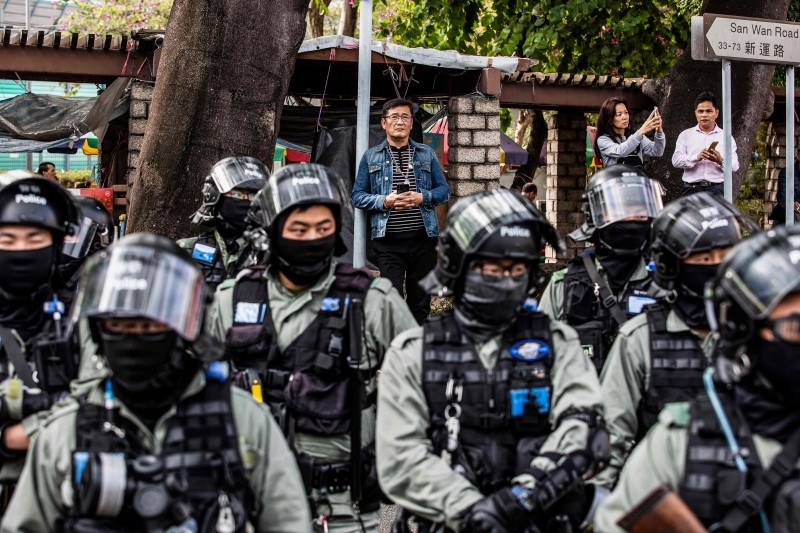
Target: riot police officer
point(486, 413)
point(657, 357)
point(607, 284)
point(731, 453)
point(227, 192)
point(309, 335)
point(35, 215)
point(94, 232)
point(158, 443)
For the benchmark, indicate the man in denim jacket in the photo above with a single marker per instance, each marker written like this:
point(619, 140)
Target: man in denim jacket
point(400, 183)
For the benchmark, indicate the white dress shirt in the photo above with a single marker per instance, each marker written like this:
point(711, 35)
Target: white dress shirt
point(693, 141)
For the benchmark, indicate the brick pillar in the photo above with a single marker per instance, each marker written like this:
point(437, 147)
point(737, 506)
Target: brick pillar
point(566, 174)
point(474, 145)
point(141, 95)
point(776, 161)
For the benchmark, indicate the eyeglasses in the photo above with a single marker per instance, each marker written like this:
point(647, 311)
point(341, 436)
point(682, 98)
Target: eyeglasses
point(398, 118)
point(240, 195)
point(786, 328)
point(496, 270)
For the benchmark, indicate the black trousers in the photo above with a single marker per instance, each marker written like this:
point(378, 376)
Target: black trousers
point(716, 188)
point(405, 261)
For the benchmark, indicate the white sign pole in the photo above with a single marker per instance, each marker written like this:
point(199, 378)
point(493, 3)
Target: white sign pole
point(727, 128)
point(790, 148)
point(362, 122)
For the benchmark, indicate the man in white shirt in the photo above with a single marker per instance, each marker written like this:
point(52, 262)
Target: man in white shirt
point(698, 150)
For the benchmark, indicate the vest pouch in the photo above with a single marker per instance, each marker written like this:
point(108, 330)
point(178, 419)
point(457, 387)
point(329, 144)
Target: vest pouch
point(248, 345)
point(472, 463)
point(593, 341)
point(579, 302)
point(318, 405)
point(785, 515)
point(730, 484)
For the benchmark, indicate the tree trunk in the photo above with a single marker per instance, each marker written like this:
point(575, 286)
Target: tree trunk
point(523, 121)
point(347, 22)
point(316, 18)
point(752, 99)
point(221, 84)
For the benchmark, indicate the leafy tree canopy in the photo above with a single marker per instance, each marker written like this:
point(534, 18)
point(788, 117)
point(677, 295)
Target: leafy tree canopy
point(116, 17)
point(630, 38)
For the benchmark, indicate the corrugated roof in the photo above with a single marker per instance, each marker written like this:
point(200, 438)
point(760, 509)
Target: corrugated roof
point(423, 56)
point(43, 14)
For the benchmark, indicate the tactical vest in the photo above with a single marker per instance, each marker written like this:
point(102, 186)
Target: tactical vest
point(53, 362)
point(711, 481)
point(584, 311)
point(309, 385)
point(676, 367)
point(503, 410)
point(201, 470)
point(214, 271)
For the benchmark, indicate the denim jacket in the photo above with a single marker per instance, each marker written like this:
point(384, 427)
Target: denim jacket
point(374, 183)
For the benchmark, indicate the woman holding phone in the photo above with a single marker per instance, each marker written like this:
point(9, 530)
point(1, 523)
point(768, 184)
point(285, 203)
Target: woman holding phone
point(617, 145)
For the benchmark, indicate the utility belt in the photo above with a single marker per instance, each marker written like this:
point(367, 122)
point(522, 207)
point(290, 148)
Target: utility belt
point(332, 478)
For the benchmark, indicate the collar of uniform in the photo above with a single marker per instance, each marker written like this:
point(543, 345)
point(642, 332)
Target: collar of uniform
point(276, 287)
point(675, 323)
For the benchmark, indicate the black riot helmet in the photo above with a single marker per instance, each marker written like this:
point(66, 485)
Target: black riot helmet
point(695, 223)
point(94, 231)
point(36, 201)
point(143, 276)
point(241, 172)
point(301, 184)
point(751, 281)
point(497, 223)
point(615, 194)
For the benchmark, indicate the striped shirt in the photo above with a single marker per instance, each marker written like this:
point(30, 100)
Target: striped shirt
point(404, 220)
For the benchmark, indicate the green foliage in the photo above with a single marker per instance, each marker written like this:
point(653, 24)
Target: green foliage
point(603, 36)
point(116, 17)
point(70, 177)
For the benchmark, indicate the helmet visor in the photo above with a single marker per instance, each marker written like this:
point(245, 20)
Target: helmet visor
point(142, 282)
point(79, 243)
point(305, 187)
point(236, 172)
point(704, 226)
point(624, 197)
point(759, 277)
point(472, 225)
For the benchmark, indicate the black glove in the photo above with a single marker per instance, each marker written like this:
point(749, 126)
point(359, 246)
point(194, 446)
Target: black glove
point(31, 403)
point(507, 510)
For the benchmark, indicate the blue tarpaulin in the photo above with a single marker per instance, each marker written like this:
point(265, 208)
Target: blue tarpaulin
point(515, 154)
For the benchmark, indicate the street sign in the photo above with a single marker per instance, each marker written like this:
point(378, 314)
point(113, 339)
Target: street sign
point(716, 37)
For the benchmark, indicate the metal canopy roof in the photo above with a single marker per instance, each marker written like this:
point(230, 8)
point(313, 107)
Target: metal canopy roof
point(42, 14)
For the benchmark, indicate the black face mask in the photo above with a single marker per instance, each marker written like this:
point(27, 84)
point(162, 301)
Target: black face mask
point(150, 370)
point(234, 212)
point(624, 238)
point(304, 262)
point(689, 303)
point(779, 362)
point(25, 271)
point(487, 305)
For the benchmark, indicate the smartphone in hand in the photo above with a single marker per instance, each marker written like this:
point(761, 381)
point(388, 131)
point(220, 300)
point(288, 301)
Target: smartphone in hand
point(403, 187)
point(655, 111)
point(713, 146)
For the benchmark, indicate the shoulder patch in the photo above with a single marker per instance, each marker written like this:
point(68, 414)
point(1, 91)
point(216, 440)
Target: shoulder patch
point(676, 414)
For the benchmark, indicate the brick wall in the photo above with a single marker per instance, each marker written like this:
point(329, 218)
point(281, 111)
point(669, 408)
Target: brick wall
point(566, 175)
point(141, 94)
point(776, 161)
point(474, 145)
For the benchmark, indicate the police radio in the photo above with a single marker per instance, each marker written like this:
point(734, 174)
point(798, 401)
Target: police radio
point(54, 355)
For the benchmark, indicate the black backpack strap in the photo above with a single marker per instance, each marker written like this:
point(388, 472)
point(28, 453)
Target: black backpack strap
point(751, 501)
point(607, 298)
point(17, 358)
